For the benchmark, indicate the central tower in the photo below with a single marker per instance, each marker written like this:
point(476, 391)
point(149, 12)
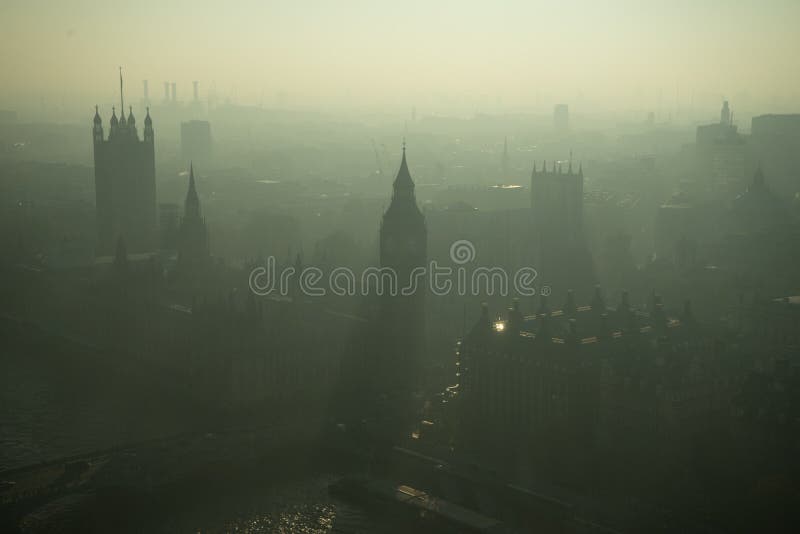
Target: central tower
point(125, 182)
point(403, 248)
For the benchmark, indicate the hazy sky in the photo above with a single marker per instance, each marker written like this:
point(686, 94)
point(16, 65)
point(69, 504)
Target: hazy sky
point(613, 53)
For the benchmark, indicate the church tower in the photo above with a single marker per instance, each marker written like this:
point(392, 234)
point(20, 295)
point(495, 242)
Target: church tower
point(192, 236)
point(403, 248)
point(125, 182)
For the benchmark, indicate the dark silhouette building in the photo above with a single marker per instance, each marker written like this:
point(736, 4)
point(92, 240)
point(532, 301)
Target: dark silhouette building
point(567, 387)
point(557, 212)
point(125, 182)
point(193, 235)
point(403, 248)
point(557, 202)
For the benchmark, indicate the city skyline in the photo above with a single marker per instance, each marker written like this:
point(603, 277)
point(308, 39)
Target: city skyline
point(507, 56)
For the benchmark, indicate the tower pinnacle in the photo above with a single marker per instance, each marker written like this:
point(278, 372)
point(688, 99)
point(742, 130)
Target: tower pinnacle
point(121, 98)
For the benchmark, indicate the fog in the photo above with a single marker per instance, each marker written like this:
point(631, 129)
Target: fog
point(364, 266)
point(442, 57)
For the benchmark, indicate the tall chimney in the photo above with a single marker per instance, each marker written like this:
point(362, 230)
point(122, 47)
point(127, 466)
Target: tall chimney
point(196, 97)
point(146, 92)
point(166, 91)
point(174, 92)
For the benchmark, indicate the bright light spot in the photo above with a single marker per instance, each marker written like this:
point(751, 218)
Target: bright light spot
point(499, 326)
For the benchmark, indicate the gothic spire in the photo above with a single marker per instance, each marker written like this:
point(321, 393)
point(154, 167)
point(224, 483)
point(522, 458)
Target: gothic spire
point(121, 97)
point(403, 184)
point(192, 204)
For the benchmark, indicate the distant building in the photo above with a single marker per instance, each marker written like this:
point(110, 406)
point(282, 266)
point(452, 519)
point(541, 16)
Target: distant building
point(721, 153)
point(196, 143)
point(125, 183)
point(557, 210)
point(725, 116)
point(557, 201)
point(557, 384)
point(775, 127)
point(192, 236)
point(561, 117)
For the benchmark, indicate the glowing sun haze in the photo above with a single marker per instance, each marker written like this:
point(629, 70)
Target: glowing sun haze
point(613, 53)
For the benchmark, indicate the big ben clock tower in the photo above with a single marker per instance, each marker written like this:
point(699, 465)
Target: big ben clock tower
point(403, 247)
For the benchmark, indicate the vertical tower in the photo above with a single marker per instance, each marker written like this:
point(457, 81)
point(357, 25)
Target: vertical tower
point(193, 236)
point(557, 218)
point(725, 114)
point(557, 202)
point(403, 248)
point(125, 189)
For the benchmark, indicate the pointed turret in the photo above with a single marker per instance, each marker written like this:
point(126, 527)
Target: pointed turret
point(97, 131)
point(403, 184)
point(193, 237)
point(121, 98)
point(192, 204)
point(148, 127)
point(403, 213)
